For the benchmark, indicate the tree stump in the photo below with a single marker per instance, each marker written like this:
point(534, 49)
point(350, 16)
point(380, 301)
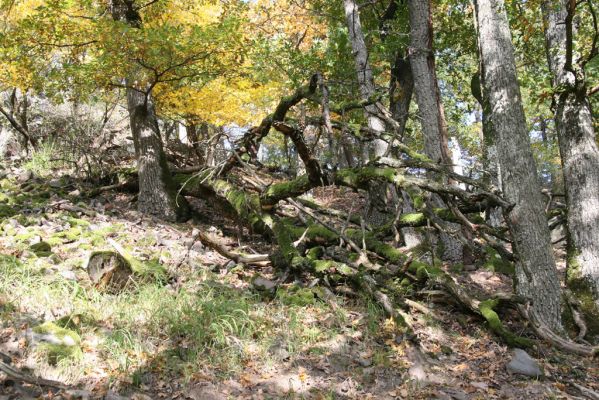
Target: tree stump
point(108, 270)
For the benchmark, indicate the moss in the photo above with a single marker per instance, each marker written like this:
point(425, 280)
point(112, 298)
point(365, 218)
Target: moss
point(296, 296)
point(315, 253)
point(486, 310)
point(7, 211)
point(360, 177)
point(78, 222)
point(58, 342)
point(583, 291)
point(423, 270)
point(70, 235)
point(279, 191)
point(495, 263)
point(41, 249)
point(284, 238)
point(412, 218)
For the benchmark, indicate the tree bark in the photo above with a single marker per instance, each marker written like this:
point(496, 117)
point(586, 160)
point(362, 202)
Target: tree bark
point(430, 108)
point(580, 159)
point(157, 192)
point(536, 274)
point(377, 194)
point(364, 72)
point(400, 92)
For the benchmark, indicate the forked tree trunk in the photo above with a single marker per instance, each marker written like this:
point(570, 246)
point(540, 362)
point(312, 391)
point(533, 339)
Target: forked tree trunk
point(157, 192)
point(430, 108)
point(536, 274)
point(580, 162)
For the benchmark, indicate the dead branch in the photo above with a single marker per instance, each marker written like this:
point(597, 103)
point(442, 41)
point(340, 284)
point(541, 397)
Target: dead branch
point(259, 260)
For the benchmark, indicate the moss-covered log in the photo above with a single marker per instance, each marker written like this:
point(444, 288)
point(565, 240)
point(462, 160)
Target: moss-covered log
point(483, 308)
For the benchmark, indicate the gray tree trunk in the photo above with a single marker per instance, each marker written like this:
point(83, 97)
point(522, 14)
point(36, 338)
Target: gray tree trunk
point(157, 193)
point(430, 108)
point(580, 160)
point(536, 274)
point(422, 62)
point(377, 197)
point(492, 175)
point(364, 72)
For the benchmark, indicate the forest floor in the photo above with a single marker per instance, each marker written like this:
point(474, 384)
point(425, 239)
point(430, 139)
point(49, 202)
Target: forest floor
point(203, 330)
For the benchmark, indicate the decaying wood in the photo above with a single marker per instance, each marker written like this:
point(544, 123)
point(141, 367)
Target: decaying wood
point(260, 260)
point(17, 375)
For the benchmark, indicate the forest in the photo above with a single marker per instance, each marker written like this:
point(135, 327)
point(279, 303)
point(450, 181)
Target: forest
point(299, 199)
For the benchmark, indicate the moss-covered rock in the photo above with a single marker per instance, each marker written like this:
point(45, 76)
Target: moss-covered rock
point(296, 296)
point(57, 342)
point(41, 249)
point(108, 270)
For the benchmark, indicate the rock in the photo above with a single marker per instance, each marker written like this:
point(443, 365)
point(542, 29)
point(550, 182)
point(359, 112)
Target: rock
point(364, 362)
point(204, 392)
point(79, 394)
point(56, 183)
point(524, 364)
point(279, 350)
point(114, 396)
point(451, 394)
point(41, 249)
point(68, 275)
point(75, 193)
point(24, 176)
point(263, 284)
point(108, 270)
point(51, 333)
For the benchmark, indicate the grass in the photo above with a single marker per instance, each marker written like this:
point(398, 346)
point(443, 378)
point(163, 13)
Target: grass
point(209, 324)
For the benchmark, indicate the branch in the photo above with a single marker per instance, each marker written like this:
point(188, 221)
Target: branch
point(260, 260)
point(251, 140)
point(571, 6)
point(18, 127)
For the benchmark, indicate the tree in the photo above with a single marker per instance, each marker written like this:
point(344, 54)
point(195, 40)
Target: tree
point(157, 193)
point(578, 149)
point(536, 273)
point(430, 107)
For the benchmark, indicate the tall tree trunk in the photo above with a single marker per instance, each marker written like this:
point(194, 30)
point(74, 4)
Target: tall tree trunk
point(536, 274)
point(364, 72)
point(157, 193)
point(492, 174)
point(580, 159)
point(377, 194)
point(430, 108)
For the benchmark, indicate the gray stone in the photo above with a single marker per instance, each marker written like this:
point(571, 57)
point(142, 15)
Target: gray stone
point(55, 183)
point(24, 176)
point(264, 284)
point(68, 275)
point(524, 364)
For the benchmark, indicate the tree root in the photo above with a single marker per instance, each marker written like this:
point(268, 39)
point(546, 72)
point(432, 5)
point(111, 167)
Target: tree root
point(545, 333)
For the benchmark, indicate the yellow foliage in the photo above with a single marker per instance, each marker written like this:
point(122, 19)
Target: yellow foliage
point(219, 102)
